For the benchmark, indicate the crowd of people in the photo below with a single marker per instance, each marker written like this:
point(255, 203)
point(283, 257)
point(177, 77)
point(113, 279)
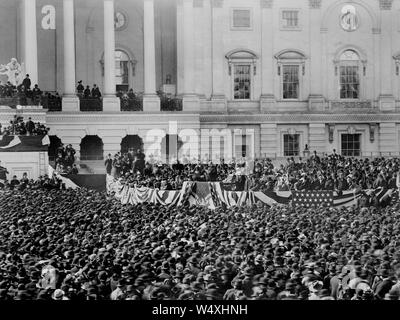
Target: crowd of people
point(88, 93)
point(330, 172)
point(65, 160)
point(19, 127)
point(43, 182)
point(85, 245)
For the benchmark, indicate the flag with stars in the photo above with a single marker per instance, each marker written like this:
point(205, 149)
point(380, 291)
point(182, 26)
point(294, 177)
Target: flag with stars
point(312, 198)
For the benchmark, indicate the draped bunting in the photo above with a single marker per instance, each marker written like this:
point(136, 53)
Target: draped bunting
point(213, 195)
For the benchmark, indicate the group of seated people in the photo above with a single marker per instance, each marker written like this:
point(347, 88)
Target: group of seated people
point(43, 182)
point(87, 93)
point(85, 245)
point(332, 173)
point(19, 127)
point(65, 160)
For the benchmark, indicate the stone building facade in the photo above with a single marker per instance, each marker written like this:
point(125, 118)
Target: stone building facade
point(257, 77)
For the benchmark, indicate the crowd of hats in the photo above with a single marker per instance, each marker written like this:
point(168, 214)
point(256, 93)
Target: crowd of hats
point(101, 249)
point(329, 172)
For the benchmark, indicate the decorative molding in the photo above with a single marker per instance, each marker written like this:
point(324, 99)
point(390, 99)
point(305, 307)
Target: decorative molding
point(385, 4)
point(198, 3)
point(331, 128)
point(372, 128)
point(315, 4)
point(351, 130)
point(266, 4)
point(397, 62)
point(217, 3)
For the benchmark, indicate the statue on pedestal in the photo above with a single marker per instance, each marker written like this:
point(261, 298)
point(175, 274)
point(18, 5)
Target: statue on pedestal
point(13, 70)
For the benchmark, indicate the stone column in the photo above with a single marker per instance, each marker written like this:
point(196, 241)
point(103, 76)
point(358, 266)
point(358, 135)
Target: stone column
point(151, 102)
point(388, 142)
point(70, 100)
point(316, 139)
point(267, 101)
point(190, 99)
point(386, 98)
point(110, 102)
point(316, 99)
point(218, 56)
point(268, 140)
point(29, 51)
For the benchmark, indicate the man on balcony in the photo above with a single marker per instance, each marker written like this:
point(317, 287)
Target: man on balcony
point(86, 93)
point(27, 82)
point(96, 92)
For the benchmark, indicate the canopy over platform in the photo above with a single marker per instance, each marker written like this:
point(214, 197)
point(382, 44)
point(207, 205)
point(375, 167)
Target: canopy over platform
point(24, 143)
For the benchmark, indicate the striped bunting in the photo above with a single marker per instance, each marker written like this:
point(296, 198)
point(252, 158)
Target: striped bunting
point(213, 195)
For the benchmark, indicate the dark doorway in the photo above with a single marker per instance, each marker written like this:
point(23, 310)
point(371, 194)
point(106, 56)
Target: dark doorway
point(91, 148)
point(131, 143)
point(55, 143)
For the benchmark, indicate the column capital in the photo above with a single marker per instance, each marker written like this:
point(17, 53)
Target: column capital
point(217, 3)
point(315, 4)
point(266, 4)
point(385, 4)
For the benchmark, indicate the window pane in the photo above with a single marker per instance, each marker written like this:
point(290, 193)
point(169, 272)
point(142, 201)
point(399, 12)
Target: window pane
point(241, 19)
point(290, 18)
point(242, 82)
point(351, 145)
point(291, 145)
point(290, 82)
point(349, 75)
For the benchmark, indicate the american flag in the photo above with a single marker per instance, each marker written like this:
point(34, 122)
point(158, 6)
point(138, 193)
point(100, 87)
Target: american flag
point(312, 198)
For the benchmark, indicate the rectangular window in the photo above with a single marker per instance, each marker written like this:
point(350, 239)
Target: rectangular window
point(241, 82)
point(290, 81)
point(349, 82)
point(241, 18)
point(242, 146)
point(290, 18)
point(291, 145)
point(351, 145)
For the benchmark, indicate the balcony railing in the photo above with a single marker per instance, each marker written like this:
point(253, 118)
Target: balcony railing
point(91, 104)
point(51, 104)
point(170, 104)
point(132, 104)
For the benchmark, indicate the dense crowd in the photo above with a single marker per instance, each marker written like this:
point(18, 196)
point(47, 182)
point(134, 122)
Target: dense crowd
point(19, 127)
point(43, 182)
point(332, 172)
point(65, 160)
point(85, 245)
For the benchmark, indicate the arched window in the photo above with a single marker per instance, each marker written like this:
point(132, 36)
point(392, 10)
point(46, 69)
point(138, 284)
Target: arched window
point(121, 71)
point(291, 69)
point(124, 70)
point(349, 75)
point(242, 68)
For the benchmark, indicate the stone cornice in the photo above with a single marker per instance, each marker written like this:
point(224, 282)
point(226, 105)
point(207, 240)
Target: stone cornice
point(385, 4)
point(302, 118)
